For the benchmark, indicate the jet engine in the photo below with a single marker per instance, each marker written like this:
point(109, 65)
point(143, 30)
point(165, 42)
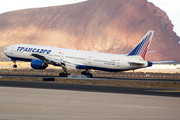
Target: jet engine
point(38, 64)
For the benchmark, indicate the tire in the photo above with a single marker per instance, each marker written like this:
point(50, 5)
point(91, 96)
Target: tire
point(91, 75)
point(14, 66)
point(83, 72)
point(63, 74)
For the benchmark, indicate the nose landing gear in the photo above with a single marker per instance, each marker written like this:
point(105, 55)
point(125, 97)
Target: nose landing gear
point(14, 66)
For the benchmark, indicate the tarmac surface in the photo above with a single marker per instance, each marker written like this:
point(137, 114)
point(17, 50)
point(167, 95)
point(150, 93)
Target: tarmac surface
point(92, 88)
point(31, 100)
point(94, 78)
point(17, 103)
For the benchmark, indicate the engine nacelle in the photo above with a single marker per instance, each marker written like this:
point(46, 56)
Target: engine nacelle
point(38, 64)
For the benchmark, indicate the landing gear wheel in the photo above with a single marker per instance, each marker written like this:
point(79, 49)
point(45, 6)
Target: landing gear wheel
point(91, 75)
point(87, 73)
point(64, 74)
point(83, 72)
point(14, 66)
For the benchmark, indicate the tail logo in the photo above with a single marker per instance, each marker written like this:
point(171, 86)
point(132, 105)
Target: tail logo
point(142, 47)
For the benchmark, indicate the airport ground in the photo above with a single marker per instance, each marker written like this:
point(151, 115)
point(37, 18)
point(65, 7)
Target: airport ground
point(104, 77)
point(18, 103)
point(144, 95)
point(140, 73)
point(103, 81)
point(35, 100)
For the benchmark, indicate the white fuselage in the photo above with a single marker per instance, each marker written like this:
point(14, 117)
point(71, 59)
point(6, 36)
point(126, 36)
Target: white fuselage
point(76, 59)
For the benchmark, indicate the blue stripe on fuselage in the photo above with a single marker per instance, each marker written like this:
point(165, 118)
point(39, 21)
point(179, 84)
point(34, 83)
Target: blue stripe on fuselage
point(20, 59)
point(98, 68)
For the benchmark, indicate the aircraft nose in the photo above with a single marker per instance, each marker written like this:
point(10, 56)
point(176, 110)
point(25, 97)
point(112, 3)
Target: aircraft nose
point(5, 51)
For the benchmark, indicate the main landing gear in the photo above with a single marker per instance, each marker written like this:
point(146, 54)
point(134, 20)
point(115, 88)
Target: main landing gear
point(15, 66)
point(63, 74)
point(87, 73)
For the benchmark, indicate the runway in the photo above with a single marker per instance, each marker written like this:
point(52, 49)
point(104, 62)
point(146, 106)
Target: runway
point(18, 103)
point(95, 78)
point(27, 100)
point(92, 88)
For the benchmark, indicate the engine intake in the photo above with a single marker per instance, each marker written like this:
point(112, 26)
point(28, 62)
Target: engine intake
point(38, 64)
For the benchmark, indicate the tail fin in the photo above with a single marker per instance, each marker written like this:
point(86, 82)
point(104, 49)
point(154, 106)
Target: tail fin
point(142, 47)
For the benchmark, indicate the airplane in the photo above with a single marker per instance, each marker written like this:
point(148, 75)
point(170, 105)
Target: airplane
point(41, 56)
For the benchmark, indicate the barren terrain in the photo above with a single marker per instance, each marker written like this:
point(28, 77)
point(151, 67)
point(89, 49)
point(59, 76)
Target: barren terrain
point(111, 26)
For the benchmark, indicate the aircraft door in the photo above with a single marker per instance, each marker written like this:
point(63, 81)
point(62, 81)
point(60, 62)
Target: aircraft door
point(117, 63)
point(89, 59)
point(62, 56)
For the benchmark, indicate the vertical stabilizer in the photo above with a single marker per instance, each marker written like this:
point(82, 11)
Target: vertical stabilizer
point(142, 47)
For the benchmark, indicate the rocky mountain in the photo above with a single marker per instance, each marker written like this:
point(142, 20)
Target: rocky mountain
point(110, 26)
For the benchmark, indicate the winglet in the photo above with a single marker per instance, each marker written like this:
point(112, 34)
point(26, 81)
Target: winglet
point(142, 47)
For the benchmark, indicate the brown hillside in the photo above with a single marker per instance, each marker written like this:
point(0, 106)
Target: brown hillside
point(112, 26)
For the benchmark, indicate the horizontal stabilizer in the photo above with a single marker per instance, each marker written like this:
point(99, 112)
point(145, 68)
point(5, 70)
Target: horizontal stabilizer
point(162, 62)
point(151, 51)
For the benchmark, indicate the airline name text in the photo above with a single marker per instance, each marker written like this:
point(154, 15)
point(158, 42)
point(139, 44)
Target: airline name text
point(33, 50)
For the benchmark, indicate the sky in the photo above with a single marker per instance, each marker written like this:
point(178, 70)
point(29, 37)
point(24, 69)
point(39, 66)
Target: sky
point(171, 7)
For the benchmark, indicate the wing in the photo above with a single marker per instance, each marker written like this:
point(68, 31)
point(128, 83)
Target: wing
point(64, 64)
point(48, 60)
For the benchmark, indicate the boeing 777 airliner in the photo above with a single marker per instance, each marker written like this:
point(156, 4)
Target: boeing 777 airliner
point(41, 56)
